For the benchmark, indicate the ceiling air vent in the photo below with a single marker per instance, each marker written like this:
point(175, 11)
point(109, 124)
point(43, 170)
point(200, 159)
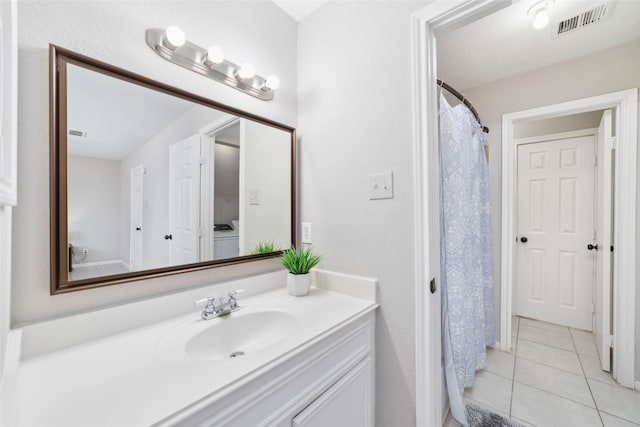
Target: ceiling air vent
point(583, 19)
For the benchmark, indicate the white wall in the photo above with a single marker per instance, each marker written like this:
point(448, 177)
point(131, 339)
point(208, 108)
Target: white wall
point(154, 156)
point(93, 204)
point(114, 32)
point(5, 281)
point(265, 168)
point(226, 196)
point(603, 72)
point(557, 125)
point(354, 116)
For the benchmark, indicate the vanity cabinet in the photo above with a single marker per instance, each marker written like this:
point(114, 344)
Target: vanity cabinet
point(329, 382)
point(346, 403)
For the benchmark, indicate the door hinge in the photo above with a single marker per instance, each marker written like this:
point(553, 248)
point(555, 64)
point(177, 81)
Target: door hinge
point(595, 160)
point(593, 309)
point(611, 341)
point(201, 232)
point(432, 285)
point(203, 160)
point(613, 143)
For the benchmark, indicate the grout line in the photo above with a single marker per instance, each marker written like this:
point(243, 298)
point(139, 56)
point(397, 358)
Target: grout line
point(515, 360)
point(584, 374)
point(557, 395)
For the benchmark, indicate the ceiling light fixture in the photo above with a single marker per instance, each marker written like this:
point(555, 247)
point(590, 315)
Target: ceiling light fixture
point(539, 13)
point(210, 62)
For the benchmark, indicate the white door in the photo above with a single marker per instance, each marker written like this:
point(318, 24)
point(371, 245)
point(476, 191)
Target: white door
point(602, 297)
point(135, 223)
point(555, 270)
point(184, 201)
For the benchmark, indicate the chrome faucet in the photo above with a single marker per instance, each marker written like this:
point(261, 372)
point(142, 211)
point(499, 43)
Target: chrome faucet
point(211, 310)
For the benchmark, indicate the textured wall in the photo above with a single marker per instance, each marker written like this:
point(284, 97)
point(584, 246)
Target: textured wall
point(354, 69)
point(114, 32)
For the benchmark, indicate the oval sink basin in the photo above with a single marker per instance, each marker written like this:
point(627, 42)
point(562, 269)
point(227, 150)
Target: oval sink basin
point(235, 335)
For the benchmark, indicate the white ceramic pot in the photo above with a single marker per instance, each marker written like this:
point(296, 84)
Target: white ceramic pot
point(298, 284)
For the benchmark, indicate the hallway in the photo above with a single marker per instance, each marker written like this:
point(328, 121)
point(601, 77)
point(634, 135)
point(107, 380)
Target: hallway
point(553, 379)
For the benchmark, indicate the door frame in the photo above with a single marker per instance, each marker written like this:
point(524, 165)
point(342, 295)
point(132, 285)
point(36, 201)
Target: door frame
point(207, 180)
point(435, 18)
point(134, 170)
point(592, 132)
point(625, 103)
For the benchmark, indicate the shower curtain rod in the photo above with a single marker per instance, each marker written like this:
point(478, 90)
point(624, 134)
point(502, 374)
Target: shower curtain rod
point(464, 100)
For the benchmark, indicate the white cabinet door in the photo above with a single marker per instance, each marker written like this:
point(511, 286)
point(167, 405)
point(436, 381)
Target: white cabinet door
point(345, 404)
point(8, 103)
point(555, 274)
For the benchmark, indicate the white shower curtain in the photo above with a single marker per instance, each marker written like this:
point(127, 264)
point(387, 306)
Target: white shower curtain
point(465, 246)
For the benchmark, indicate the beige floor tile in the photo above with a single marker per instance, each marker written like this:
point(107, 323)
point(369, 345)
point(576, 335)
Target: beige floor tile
point(611, 421)
point(616, 400)
point(500, 362)
point(491, 390)
point(556, 338)
point(593, 370)
point(585, 342)
point(553, 380)
point(541, 325)
point(547, 410)
point(550, 356)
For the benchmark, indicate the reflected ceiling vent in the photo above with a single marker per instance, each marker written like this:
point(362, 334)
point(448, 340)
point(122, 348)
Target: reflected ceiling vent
point(76, 132)
point(585, 18)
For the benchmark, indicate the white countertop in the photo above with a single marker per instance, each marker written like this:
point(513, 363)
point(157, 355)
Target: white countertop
point(122, 380)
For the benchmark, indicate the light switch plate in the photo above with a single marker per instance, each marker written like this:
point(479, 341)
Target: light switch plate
point(254, 197)
point(381, 186)
point(306, 232)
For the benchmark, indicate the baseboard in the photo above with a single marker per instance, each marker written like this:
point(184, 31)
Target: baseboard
point(638, 385)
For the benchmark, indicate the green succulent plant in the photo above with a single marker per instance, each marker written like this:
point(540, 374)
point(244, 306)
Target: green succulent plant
point(299, 261)
point(265, 248)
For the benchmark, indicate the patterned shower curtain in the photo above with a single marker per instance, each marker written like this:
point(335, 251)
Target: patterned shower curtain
point(465, 246)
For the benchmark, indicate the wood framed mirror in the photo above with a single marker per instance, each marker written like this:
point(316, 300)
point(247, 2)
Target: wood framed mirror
point(148, 180)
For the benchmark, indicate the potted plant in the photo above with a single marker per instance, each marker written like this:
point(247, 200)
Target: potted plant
point(299, 262)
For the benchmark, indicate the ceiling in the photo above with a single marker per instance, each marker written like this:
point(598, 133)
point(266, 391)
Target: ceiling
point(114, 129)
point(299, 9)
point(505, 43)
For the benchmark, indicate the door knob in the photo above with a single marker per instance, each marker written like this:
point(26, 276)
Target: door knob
point(524, 239)
point(168, 237)
point(592, 247)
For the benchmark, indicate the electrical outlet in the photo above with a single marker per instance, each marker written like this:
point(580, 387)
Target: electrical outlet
point(85, 251)
point(306, 232)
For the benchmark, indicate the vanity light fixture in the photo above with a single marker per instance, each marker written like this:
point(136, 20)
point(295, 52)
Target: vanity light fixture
point(173, 46)
point(539, 13)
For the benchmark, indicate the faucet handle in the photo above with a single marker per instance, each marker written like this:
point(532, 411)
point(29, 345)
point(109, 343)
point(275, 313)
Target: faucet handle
point(207, 300)
point(233, 293)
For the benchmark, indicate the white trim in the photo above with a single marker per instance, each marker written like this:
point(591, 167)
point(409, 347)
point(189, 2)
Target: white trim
point(637, 385)
point(9, 101)
point(626, 105)
point(554, 136)
point(437, 17)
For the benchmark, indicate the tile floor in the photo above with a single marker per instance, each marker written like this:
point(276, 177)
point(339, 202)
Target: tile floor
point(553, 379)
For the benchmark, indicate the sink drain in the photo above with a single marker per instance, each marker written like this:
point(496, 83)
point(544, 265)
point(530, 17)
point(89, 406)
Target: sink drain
point(237, 354)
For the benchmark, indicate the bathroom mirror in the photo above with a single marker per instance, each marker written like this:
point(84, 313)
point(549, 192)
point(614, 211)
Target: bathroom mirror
point(148, 180)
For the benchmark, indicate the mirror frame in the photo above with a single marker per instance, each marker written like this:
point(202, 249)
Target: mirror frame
point(58, 58)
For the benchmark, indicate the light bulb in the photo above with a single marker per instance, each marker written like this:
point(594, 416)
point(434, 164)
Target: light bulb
point(175, 36)
point(541, 19)
point(246, 71)
point(272, 82)
point(215, 55)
